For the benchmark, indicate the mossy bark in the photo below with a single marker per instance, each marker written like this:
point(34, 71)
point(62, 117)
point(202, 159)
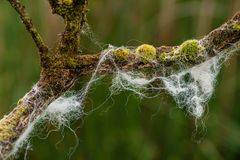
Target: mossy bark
point(62, 66)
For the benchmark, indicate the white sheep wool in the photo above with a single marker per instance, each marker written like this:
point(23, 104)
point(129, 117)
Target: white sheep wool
point(191, 88)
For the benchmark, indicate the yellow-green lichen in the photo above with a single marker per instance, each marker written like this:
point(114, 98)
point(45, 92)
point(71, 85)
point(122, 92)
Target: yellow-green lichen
point(72, 63)
point(146, 53)
point(189, 50)
point(121, 53)
point(67, 12)
point(236, 27)
point(67, 2)
point(10, 122)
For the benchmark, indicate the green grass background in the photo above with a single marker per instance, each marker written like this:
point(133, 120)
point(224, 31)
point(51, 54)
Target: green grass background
point(126, 127)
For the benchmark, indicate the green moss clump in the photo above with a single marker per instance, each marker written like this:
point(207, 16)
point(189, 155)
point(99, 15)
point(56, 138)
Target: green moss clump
point(146, 52)
point(121, 53)
point(236, 27)
point(189, 50)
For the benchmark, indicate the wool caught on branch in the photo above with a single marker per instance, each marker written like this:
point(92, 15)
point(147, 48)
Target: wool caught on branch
point(188, 72)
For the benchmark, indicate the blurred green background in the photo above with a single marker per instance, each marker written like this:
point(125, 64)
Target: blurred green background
point(125, 127)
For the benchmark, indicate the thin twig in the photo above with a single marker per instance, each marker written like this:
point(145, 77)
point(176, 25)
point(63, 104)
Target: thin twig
point(27, 21)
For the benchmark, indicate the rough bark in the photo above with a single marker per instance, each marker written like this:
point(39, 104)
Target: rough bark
point(63, 65)
point(53, 82)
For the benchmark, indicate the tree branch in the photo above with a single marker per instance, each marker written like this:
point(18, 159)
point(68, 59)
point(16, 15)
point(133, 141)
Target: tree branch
point(226, 37)
point(74, 14)
point(27, 21)
point(65, 65)
point(53, 82)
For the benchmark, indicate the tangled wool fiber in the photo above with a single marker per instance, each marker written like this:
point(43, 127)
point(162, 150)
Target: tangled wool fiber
point(191, 88)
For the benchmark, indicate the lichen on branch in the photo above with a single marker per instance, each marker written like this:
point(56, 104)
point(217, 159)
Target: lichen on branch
point(74, 14)
point(63, 65)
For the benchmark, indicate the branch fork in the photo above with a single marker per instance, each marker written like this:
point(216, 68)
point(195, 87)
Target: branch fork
point(62, 66)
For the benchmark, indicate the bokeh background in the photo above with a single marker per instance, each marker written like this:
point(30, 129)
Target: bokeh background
point(126, 127)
